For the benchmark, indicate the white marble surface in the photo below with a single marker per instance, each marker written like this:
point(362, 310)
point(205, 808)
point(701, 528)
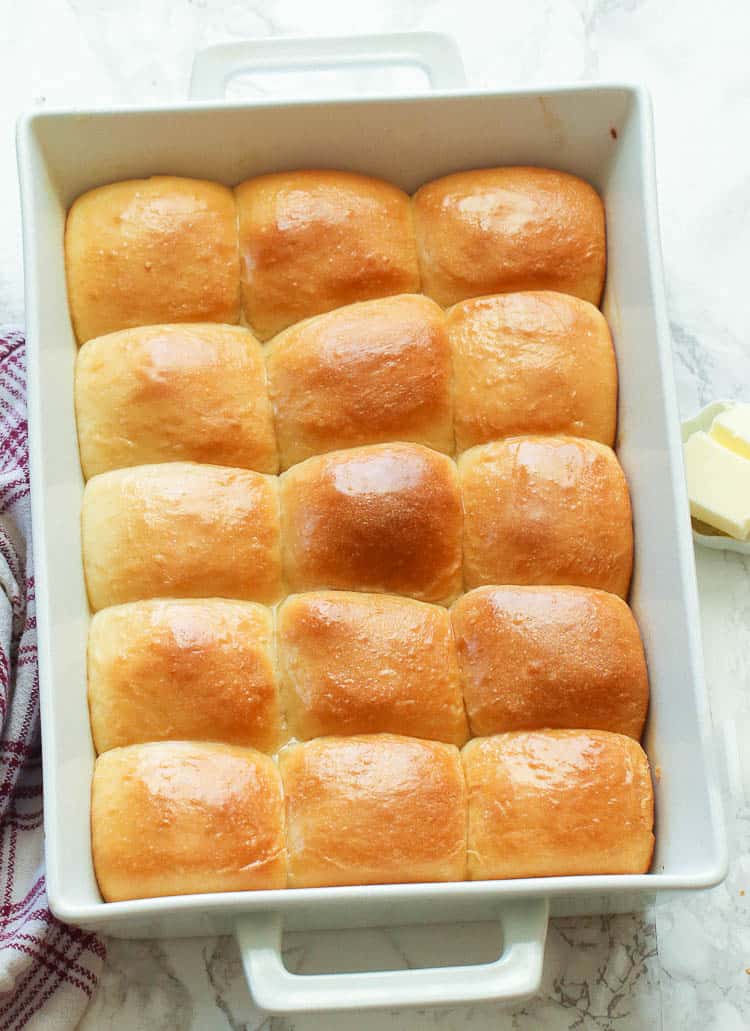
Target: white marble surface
point(680, 965)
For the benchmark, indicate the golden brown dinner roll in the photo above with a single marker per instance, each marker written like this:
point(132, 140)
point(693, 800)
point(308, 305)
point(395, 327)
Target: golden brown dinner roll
point(370, 372)
point(535, 362)
point(180, 530)
point(365, 663)
point(385, 518)
point(546, 510)
point(178, 817)
point(496, 230)
point(193, 669)
point(316, 240)
point(190, 392)
point(555, 803)
point(533, 657)
point(377, 809)
point(152, 250)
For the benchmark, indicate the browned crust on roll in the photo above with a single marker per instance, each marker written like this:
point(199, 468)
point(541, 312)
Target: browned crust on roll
point(369, 663)
point(364, 374)
point(546, 510)
point(176, 818)
point(558, 803)
point(315, 240)
point(385, 518)
point(534, 362)
point(374, 810)
point(560, 657)
point(187, 669)
point(496, 230)
point(146, 251)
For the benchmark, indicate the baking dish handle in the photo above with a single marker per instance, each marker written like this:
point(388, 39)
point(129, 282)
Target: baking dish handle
point(437, 55)
point(514, 976)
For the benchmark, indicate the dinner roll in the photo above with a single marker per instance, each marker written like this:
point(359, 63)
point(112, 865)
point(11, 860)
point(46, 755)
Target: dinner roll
point(371, 372)
point(172, 393)
point(178, 817)
point(536, 362)
point(377, 809)
point(180, 530)
point(384, 518)
point(533, 657)
point(200, 670)
point(366, 663)
point(556, 803)
point(546, 510)
point(151, 250)
point(496, 230)
point(316, 240)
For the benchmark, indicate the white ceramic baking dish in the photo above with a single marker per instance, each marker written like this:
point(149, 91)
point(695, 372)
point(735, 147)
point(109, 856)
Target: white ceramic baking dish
point(601, 132)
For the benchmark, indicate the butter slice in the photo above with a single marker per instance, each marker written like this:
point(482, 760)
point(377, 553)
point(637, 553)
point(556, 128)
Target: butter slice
point(731, 429)
point(718, 485)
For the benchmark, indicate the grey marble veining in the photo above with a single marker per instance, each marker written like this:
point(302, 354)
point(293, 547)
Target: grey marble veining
point(601, 974)
point(682, 965)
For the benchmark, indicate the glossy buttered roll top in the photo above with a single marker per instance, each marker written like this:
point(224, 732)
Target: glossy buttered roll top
point(374, 809)
point(546, 510)
point(181, 530)
point(557, 803)
point(146, 251)
point(194, 669)
point(177, 817)
point(496, 230)
point(533, 362)
point(315, 240)
point(183, 392)
point(364, 374)
point(299, 243)
point(385, 518)
point(558, 657)
point(368, 663)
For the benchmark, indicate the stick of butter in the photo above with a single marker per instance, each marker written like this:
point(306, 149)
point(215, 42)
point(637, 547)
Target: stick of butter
point(718, 485)
point(732, 429)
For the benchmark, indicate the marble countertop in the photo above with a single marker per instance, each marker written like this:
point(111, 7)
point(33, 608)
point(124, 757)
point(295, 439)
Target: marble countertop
point(682, 964)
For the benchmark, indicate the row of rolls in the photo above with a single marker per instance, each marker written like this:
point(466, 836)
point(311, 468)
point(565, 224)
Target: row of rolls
point(336, 662)
point(182, 817)
point(286, 246)
point(396, 368)
point(385, 518)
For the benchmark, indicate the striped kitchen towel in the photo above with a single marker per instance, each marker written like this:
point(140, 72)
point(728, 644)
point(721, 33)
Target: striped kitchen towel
point(48, 971)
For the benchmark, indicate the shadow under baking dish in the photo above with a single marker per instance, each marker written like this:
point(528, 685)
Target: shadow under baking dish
point(602, 133)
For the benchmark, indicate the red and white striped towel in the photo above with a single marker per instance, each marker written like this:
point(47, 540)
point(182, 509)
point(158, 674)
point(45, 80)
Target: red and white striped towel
point(48, 971)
